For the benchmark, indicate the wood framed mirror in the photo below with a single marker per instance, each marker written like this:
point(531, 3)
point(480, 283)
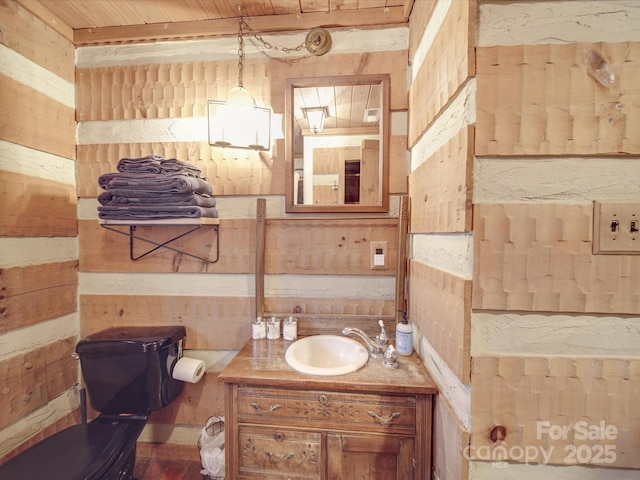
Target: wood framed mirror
point(337, 144)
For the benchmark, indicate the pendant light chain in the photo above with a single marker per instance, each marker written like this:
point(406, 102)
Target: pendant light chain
point(317, 42)
point(241, 22)
point(313, 41)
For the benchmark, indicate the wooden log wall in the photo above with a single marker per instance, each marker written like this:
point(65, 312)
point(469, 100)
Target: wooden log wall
point(550, 330)
point(38, 231)
point(553, 377)
point(441, 47)
point(540, 106)
point(139, 100)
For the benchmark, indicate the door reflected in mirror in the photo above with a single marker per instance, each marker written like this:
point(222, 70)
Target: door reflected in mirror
point(336, 135)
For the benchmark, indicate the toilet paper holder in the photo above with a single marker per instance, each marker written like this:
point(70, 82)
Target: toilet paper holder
point(188, 369)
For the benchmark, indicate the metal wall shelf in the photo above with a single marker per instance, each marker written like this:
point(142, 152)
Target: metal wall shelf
point(193, 225)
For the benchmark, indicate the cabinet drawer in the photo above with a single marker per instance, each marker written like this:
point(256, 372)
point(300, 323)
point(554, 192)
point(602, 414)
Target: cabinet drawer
point(266, 451)
point(328, 410)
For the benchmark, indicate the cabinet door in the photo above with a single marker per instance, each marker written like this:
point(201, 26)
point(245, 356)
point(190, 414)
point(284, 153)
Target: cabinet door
point(370, 457)
point(370, 173)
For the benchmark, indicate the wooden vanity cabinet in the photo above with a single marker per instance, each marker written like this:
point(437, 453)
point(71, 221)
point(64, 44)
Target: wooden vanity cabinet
point(321, 434)
point(284, 425)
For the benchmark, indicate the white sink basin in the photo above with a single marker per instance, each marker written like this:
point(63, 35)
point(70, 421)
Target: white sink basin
point(326, 355)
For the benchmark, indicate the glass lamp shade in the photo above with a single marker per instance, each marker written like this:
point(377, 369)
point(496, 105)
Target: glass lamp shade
point(238, 122)
point(240, 96)
point(315, 117)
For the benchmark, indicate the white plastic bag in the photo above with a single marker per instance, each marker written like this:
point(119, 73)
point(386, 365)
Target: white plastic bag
point(211, 444)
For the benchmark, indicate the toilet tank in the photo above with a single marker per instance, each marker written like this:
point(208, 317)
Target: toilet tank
point(127, 370)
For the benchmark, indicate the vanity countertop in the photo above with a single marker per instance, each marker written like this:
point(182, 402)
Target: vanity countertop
point(262, 362)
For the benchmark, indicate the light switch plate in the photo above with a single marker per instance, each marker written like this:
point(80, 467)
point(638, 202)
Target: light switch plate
point(615, 227)
point(379, 255)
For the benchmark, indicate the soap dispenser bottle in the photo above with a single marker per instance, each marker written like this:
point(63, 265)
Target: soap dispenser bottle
point(404, 336)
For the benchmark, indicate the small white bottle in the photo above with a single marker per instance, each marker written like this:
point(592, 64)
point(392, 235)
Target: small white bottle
point(404, 336)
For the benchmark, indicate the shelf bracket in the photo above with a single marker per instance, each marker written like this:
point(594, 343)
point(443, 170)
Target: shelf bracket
point(134, 235)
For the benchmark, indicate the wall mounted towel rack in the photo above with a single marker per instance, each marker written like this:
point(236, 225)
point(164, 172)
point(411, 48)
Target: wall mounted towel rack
point(192, 224)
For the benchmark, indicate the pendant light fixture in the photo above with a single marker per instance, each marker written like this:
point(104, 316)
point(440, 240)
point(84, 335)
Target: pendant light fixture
point(237, 121)
point(316, 117)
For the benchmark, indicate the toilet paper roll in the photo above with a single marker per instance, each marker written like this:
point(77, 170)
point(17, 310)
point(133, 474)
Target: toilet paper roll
point(188, 370)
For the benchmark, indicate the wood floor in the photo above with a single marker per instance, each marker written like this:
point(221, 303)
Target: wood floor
point(159, 469)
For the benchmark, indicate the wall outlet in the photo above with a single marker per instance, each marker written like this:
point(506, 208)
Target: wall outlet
point(379, 255)
point(615, 227)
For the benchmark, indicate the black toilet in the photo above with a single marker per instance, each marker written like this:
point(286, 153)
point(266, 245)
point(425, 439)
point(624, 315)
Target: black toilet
point(127, 372)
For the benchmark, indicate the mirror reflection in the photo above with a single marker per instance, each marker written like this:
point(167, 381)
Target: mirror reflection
point(336, 135)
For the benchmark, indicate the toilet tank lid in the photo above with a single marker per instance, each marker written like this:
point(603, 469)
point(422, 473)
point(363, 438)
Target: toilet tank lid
point(142, 339)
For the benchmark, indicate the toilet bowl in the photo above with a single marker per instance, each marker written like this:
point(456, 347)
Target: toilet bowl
point(127, 373)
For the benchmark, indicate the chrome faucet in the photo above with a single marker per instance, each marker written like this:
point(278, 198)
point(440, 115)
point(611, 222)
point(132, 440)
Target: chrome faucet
point(376, 346)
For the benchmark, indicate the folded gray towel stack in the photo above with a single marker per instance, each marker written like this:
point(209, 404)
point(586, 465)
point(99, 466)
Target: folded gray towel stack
point(153, 187)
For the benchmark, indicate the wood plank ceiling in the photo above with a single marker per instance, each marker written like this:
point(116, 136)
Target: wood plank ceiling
point(97, 22)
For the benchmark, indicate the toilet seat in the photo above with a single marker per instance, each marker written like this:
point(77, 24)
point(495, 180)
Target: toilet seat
point(103, 449)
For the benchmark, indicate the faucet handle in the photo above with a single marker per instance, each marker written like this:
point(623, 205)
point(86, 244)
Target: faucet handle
point(382, 338)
